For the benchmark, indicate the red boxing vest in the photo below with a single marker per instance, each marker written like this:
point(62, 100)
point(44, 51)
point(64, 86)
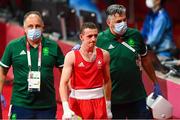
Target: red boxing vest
point(88, 75)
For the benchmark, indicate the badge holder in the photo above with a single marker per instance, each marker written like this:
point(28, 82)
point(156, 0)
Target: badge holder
point(34, 81)
point(34, 77)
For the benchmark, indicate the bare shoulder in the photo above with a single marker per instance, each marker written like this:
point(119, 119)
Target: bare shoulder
point(105, 52)
point(106, 55)
point(70, 53)
point(70, 56)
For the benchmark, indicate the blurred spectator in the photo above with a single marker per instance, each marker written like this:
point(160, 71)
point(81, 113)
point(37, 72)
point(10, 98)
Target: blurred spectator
point(88, 5)
point(157, 29)
point(15, 9)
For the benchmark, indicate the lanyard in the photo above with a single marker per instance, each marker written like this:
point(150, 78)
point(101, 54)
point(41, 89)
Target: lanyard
point(126, 45)
point(133, 50)
point(29, 55)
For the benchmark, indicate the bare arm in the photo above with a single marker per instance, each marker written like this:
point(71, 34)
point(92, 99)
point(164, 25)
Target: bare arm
point(66, 73)
point(107, 78)
point(148, 67)
point(3, 73)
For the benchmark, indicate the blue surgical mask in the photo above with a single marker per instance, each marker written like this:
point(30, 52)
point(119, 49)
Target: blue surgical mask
point(120, 28)
point(33, 34)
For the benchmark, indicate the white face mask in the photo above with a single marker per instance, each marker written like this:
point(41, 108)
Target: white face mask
point(150, 3)
point(33, 34)
point(120, 28)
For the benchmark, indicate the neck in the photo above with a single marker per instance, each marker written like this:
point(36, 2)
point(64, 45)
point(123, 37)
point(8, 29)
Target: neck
point(87, 49)
point(156, 8)
point(89, 54)
point(34, 43)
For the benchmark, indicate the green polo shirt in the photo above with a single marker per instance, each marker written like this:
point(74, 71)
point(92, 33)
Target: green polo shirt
point(16, 55)
point(126, 78)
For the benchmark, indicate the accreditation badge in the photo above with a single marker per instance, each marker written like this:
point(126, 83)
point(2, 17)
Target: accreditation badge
point(34, 81)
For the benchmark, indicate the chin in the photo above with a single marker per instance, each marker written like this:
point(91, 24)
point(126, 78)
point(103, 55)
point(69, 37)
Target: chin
point(91, 46)
point(36, 40)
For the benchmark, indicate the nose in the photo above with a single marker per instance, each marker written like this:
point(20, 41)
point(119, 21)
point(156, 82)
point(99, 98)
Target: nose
point(32, 27)
point(94, 38)
point(36, 27)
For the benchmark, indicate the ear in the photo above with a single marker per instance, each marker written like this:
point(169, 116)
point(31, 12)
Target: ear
point(158, 2)
point(25, 30)
point(81, 37)
point(43, 28)
point(108, 22)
